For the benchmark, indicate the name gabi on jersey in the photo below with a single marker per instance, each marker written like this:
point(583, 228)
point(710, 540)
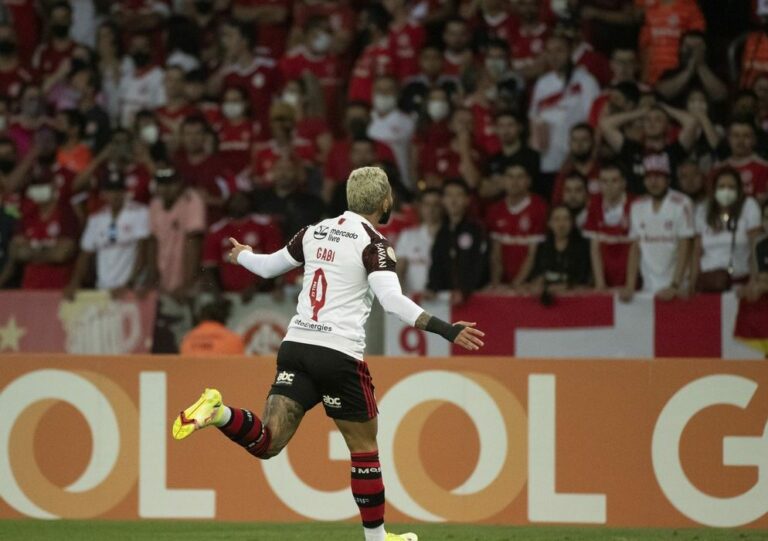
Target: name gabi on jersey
point(325, 254)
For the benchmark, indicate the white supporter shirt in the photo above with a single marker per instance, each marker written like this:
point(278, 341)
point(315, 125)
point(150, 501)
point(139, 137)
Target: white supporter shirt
point(658, 233)
point(395, 129)
point(415, 245)
point(560, 108)
point(335, 300)
point(116, 248)
point(716, 245)
point(140, 91)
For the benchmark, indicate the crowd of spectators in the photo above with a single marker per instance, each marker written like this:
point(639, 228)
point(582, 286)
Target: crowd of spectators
point(535, 146)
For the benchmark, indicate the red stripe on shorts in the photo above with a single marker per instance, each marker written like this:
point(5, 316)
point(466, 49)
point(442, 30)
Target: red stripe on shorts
point(365, 388)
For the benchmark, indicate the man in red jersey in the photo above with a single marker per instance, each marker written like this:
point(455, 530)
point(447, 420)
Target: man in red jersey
point(607, 228)
point(376, 60)
point(59, 47)
point(13, 73)
point(258, 230)
point(515, 224)
point(742, 139)
point(241, 67)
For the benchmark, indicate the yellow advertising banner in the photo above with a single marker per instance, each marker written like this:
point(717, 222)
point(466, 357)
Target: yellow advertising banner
point(662, 443)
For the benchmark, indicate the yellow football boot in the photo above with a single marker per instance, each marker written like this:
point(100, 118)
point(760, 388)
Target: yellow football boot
point(206, 411)
point(402, 537)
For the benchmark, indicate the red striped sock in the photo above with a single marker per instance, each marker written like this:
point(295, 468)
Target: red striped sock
point(247, 430)
point(368, 488)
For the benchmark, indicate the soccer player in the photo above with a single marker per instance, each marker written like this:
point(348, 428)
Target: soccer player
point(346, 261)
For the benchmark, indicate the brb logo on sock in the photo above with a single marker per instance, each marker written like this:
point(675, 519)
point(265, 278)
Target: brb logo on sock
point(285, 378)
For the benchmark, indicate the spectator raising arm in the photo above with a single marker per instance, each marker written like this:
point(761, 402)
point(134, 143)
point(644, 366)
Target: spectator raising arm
point(688, 124)
point(611, 126)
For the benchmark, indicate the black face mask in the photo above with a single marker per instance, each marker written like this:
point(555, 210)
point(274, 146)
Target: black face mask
point(358, 128)
point(385, 217)
point(7, 47)
point(6, 166)
point(141, 59)
point(60, 31)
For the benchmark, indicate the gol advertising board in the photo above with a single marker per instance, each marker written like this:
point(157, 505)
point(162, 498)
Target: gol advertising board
point(669, 443)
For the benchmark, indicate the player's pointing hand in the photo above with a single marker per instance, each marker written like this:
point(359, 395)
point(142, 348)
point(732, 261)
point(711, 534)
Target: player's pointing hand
point(469, 337)
point(236, 249)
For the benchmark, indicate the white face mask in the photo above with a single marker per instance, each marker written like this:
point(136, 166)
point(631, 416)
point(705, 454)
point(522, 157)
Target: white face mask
point(232, 109)
point(491, 93)
point(40, 193)
point(725, 197)
point(322, 42)
point(150, 134)
point(291, 98)
point(384, 103)
point(496, 66)
point(438, 109)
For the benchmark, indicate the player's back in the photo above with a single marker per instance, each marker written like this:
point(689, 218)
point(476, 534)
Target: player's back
point(335, 300)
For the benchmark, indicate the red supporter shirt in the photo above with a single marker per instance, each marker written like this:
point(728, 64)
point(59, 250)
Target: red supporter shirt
point(611, 228)
point(400, 220)
point(337, 167)
point(594, 62)
point(377, 59)
point(236, 142)
point(326, 68)
point(11, 82)
point(485, 133)
point(40, 230)
point(340, 15)
point(260, 79)
point(47, 58)
point(443, 161)
point(527, 43)
point(212, 175)
point(517, 229)
point(502, 26)
point(268, 153)
point(272, 36)
point(170, 119)
point(26, 22)
point(256, 230)
point(407, 40)
point(754, 175)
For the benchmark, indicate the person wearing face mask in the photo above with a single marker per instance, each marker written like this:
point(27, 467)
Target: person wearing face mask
point(377, 58)
point(235, 131)
point(13, 74)
point(59, 47)
point(142, 86)
point(661, 229)
point(392, 127)
point(315, 55)
point(245, 67)
point(726, 229)
point(416, 89)
point(46, 242)
point(581, 160)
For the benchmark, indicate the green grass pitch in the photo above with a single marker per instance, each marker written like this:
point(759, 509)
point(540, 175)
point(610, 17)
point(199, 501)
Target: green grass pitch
point(29, 530)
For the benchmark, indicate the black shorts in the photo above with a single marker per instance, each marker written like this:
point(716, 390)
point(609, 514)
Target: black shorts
point(311, 374)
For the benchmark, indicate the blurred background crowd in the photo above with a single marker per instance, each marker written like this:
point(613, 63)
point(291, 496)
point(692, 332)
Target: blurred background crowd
point(534, 146)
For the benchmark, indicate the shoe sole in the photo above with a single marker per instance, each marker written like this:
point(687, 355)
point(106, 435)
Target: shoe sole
point(187, 421)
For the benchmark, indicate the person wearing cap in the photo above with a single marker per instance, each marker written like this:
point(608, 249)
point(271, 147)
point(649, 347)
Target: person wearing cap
point(661, 229)
point(177, 221)
point(116, 236)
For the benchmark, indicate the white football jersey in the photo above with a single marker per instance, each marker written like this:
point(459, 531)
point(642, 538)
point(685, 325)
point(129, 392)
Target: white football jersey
point(338, 255)
point(658, 233)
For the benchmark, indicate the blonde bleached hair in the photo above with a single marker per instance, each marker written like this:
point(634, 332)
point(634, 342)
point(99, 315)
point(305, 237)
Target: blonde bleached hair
point(367, 188)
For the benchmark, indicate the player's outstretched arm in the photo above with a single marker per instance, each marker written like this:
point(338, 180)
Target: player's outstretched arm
point(264, 265)
point(386, 287)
